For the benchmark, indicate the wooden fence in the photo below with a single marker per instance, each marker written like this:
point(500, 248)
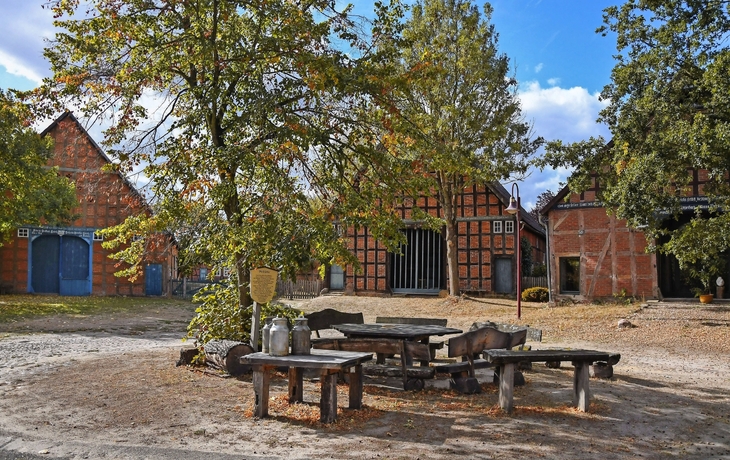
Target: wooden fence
point(301, 289)
point(534, 281)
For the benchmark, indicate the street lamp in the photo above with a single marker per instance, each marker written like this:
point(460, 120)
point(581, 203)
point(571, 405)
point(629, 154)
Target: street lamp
point(514, 208)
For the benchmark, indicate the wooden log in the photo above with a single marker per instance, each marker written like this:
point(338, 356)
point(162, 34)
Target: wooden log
point(225, 355)
point(581, 389)
point(328, 397)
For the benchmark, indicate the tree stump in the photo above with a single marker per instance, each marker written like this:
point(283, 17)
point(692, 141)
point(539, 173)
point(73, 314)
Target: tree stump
point(187, 354)
point(225, 355)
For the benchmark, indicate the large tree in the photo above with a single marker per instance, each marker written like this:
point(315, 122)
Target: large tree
point(242, 111)
point(460, 121)
point(669, 114)
point(30, 192)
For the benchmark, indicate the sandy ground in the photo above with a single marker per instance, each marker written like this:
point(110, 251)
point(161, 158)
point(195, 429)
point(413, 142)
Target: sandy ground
point(108, 388)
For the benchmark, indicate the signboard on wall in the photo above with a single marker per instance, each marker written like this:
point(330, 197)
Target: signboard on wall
point(263, 284)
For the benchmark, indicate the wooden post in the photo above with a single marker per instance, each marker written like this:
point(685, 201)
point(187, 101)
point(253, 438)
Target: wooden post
point(296, 384)
point(506, 386)
point(356, 385)
point(255, 323)
point(328, 398)
point(261, 391)
point(581, 391)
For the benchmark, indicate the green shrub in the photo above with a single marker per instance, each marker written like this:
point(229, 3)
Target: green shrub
point(220, 317)
point(539, 270)
point(535, 294)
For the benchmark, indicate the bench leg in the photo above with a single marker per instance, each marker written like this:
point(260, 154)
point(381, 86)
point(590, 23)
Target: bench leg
point(328, 398)
point(581, 391)
point(296, 384)
point(356, 384)
point(261, 391)
point(506, 387)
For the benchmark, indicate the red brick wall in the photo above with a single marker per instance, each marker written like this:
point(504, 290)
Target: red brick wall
point(477, 247)
point(105, 199)
point(613, 260)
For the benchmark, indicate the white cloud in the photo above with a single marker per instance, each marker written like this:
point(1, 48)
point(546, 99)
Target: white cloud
point(567, 114)
point(538, 67)
point(553, 81)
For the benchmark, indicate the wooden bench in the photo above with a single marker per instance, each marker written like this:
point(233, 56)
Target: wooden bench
point(581, 359)
point(324, 319)
point(433, 346)
point(469, 346)
point(407, 350)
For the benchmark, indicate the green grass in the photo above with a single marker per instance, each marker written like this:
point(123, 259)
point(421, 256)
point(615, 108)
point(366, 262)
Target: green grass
point(19, 307)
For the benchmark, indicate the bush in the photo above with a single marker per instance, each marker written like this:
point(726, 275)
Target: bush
point(535, 294)
point(219, 316)
point(539, 270)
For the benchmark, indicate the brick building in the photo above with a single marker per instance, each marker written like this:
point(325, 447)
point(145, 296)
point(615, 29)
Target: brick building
point(70, 260)
point(486, 250)
point(594, 255)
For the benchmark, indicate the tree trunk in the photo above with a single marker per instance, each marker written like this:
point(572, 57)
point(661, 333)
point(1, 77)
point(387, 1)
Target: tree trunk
point(225, 355)
point(452, 257)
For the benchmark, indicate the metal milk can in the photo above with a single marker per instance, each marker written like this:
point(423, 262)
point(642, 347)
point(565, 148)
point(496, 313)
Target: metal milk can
point(279, 338)
point(301, 341)
point(265, 334)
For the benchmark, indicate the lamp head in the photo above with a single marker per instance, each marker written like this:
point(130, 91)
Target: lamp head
point(513, 207)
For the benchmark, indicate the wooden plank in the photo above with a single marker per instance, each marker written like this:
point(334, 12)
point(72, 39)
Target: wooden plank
point(404, 320)
point(480, 339)
point(356, 387)
point(318, 359)
point(261, 391)
point(581, 390)
point(328, 397)
point(461, 366)
point(506, 387)
point(296, 384)
point(516, 356)
point(328, 317)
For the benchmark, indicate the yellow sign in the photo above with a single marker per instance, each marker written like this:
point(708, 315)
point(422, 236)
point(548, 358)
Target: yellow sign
point(263, 284)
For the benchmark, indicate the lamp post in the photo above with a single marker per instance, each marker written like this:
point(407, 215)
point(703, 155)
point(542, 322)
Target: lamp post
point(514, 209)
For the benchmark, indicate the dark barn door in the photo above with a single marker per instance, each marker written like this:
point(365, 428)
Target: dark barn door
point(503, 276)
point(45, 268)
point(420, 268)
point(153, 279)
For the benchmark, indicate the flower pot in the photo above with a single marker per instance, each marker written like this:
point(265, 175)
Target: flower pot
point(706, 298)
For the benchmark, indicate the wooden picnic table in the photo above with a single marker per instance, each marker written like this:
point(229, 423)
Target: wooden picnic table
point(581, 359)
point(412, 332)
point(330, 362)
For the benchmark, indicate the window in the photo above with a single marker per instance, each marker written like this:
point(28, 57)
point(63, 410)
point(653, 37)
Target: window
point(497, 226)
point(509, 226)
point(23, 233)
point(570, 275)
point(98, 237)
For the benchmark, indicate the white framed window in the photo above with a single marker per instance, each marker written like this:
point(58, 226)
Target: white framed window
point(98, 237)
point(509, 226)
point(23, 233)
point(497, 226)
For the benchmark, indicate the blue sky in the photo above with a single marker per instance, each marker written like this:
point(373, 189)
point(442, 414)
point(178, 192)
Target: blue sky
point(560, 62)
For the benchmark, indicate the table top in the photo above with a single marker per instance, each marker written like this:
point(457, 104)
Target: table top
point(395, 331)
point(318, 359)
point(500, 356)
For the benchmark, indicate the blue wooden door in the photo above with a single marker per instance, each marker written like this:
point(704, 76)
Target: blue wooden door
point(75, 266)
point(44, 265)
point(153, 279)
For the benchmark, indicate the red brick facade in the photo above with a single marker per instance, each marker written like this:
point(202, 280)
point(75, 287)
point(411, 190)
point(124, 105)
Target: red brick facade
point(105, 199)
point(612, 257)
point(480, 242)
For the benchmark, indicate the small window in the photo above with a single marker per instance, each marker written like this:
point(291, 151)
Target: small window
point(570, 275)
point(23, 233)
point(497, 226)
point(509, 226)
point(98, 237)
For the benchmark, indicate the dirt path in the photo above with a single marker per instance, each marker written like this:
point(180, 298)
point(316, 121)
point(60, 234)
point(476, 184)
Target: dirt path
point(103, 388)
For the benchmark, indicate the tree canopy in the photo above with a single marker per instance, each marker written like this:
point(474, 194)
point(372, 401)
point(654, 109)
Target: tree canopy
point(257, 126)
point(30, 192)
point(669, 114)
point(459, 120)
